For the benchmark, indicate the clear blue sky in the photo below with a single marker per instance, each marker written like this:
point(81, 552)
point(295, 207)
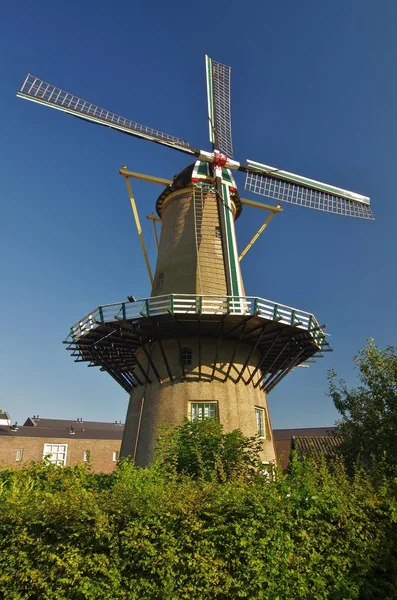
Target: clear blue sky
point(313, 92)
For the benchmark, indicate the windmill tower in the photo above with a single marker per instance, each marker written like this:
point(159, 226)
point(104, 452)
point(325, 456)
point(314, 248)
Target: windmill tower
point(198, 346)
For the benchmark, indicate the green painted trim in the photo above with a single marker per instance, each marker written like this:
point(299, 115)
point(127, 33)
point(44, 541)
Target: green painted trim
point(101, 314)
point(227, 177)
point(202, 168)
point(123, 308)
point(210, 98)
point(232, 251)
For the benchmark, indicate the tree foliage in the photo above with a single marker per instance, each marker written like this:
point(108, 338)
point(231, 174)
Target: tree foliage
point(368, 424)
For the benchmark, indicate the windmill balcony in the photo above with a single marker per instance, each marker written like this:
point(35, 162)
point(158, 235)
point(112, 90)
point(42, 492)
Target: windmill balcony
point(110, 336)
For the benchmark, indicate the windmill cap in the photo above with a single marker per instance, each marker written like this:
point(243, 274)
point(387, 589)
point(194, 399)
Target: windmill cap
point(184, 180)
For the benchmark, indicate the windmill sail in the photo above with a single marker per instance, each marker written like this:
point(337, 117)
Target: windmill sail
point(219, 113)
point(39, 91)
point(295, 189)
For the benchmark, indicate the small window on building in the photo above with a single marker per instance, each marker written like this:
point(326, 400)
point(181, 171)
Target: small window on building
point(160, 280)
point(86, 455)
point(116, 455)
point(56, 453)
point(260, 422)
point(203, 410)
point(218, 233)
point(19, 456)
point(186, 356)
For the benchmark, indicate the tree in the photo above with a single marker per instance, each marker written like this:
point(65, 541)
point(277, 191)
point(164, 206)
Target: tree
point(368, 424)
point(203, 450)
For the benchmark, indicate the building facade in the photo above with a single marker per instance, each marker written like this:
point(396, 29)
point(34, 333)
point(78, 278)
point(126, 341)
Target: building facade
point(63, 442)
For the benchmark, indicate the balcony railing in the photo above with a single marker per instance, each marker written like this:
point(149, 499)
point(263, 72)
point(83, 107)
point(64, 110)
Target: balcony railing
point(185, 304)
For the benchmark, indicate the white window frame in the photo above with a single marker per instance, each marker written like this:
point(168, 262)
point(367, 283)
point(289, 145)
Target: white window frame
point(115, 455)
point(49, 450)
point(186, 356)
point(194, 407)
point(19, 455)
point(86, 455)
point(259, 410)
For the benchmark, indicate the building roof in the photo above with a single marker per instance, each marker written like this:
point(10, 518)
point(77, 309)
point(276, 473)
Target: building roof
point(4, 416)
point(65, 428)
point(287, 439)
point(288, 434)
point(317, 446)
point(62, 432)
point(40, 423)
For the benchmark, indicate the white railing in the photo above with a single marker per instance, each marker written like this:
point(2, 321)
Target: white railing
point(191, 305)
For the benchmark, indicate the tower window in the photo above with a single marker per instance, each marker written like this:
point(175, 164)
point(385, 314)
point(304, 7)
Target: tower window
point(160, 280)
point(218, 233)
point(260, 422)
point(186, 356)
point(19, 454)
point(203, 410)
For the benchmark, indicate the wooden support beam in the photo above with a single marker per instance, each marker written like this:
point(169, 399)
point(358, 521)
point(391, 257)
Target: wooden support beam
point(274, 362)
point(271, 383)
point(253, 348)
point(242, 323)
point(262, 360)
point(257, 234)
point(146, 376)
point(179, 348)
point(255, 204)
point(139, 228)
point(234, 351)
point(155, 371)
point(217, 347)
point(143, 177)
point(167, 366)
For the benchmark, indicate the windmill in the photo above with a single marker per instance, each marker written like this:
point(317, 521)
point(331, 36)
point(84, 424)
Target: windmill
point(198, 346)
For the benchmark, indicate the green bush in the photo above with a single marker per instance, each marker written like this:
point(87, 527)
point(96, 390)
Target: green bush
point(203, 450)
point(154, 533)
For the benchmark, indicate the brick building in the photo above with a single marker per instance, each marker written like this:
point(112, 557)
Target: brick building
point(65, 442)
point(70, 442)
point(309, 441)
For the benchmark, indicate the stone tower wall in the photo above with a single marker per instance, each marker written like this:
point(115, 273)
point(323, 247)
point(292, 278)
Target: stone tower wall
point(190, 259)
point(160, 405)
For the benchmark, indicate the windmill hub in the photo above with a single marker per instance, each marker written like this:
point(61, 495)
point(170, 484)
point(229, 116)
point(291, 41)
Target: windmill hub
point(219, 160)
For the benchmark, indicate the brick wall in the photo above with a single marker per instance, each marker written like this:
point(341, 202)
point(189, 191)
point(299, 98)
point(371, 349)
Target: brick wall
point(101, 451)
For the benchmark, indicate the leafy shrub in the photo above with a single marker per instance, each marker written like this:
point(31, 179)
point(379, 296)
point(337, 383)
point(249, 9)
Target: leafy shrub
point(157, 533)
point(202, 450)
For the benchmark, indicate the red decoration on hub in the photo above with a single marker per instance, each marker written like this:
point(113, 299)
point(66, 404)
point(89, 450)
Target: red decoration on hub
point(219, 159)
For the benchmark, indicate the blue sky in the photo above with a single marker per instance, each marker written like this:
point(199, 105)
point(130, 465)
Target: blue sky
point(313, 92)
